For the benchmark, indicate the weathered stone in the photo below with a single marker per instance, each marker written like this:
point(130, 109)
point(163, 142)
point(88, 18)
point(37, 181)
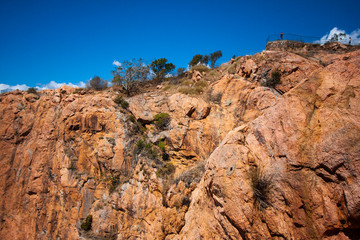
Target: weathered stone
point(66, 156)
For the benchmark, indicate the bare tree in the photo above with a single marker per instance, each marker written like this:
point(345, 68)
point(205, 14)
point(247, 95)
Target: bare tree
point(128, 73)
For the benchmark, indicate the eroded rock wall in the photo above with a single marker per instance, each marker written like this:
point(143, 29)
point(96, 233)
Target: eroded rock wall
point(277, 163)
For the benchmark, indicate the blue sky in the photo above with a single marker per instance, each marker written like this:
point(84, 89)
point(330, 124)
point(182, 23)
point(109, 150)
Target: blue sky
point(62, 41)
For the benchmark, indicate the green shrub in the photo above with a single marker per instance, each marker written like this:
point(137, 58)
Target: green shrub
point(97, 83)
point(162, 120)
point(132, 118)
point(124, 104)
point(147, 149)
point(162, 145)
point(148, 146)
point(137, 127)
point(120, 101)
point(140, 145)
point(32, 90)
point(167, 169)
point(186, 82)
point(274, 80)
point(86, 226)
point(78, 90)
point(114, 182)
point(201, 84)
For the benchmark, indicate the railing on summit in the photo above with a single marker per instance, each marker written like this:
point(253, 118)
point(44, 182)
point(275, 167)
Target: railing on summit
point(292, 37)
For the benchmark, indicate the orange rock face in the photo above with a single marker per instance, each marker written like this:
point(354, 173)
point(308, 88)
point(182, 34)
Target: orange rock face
point(244, 162)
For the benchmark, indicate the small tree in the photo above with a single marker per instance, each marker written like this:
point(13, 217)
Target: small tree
point(32, 90)
point(205, 60)
point(161, 67)
point(274, 80)
point(214, 57)
point(196, 60)
point(97, 83)
point(128, 73)
point(180, 71)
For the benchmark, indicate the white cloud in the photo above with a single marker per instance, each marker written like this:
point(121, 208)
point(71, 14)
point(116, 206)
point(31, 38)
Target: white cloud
point(116, 63)
point(55, 85)
point(81, 84)
point(341, 36)
point(4, 86)
point(21, 87)
point(50, 85)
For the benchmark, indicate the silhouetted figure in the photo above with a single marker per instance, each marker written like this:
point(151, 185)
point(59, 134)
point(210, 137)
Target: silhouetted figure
point(281, 35)
point(349, 40)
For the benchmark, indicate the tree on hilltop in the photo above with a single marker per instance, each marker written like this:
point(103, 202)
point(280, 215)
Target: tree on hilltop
point(128, 73)
point(214, 57)
point(161, 67)
point(196, 60)
point(97, 83)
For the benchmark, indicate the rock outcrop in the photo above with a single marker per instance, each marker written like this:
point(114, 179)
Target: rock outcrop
point(241, 161)
point(306, 151)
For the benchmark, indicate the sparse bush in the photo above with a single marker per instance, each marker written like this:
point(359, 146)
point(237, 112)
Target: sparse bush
point(180, 72)
point(201, 84)
point(274, 80)
point(137, 126)
point(200, 68)
point(215, 97)
point(162, 145)
point(167, 169)
point(128, 73)
point(86, 226)
point(120, 101)
point(132, 118)
point(140, 145)
point(167, 87)
point(232, 69)
point(32, 90)
point(186, 82)
point(124, 104)
point(262, 185)
point(192, 175)
point(114, 182)
point(79, 91)
point(97, 83)
point(162, 120)
point(148, 149)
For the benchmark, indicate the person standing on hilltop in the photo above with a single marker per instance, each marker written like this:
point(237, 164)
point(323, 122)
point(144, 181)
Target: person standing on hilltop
point(349, 40)
point(281, 35)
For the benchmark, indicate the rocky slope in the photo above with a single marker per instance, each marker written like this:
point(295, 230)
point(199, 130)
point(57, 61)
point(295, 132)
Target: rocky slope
point(239, 161)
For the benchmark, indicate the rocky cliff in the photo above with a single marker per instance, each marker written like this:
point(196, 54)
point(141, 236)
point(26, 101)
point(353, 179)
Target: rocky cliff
point(237, 160)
